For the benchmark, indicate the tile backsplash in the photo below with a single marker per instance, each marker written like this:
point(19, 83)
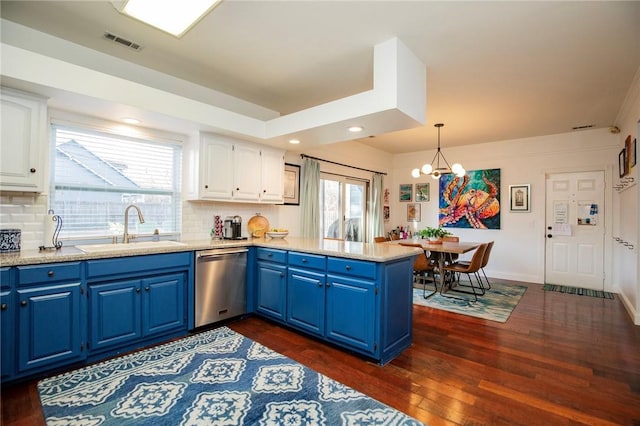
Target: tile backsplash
point(27, 212)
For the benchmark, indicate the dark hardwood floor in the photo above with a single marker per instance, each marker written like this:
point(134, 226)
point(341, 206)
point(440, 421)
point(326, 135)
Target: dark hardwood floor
point(559, 360)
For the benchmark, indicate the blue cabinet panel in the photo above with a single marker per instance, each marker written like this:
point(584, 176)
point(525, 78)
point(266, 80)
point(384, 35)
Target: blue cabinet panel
point(271, 291)
point(163, 304)
point(271, 255)
point(5, 278)
point(50, 321)
point(306, 300)
point(137, 264)
point(8, 324)
point(115, 313)
point(352, 312)
point(306, 260)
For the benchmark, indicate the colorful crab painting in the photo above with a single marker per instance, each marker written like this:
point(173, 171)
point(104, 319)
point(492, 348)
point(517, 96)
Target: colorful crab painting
point(472, 201)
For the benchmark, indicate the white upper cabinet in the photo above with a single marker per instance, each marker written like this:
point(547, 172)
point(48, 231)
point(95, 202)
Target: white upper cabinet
point(232, 170)
point(24, 141)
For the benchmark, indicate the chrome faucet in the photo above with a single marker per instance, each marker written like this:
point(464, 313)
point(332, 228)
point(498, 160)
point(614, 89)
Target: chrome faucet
point(126, 237)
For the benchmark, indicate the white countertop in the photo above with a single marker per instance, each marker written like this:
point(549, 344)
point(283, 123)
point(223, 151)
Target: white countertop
point(375, 252)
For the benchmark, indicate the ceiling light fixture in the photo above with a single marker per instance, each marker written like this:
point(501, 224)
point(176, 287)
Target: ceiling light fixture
point(356, 129)
point(130, 120)
point(174, 17)
point(294, 141)
point(437, 171)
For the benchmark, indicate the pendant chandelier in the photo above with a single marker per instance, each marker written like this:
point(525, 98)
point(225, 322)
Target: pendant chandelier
point(435, 169)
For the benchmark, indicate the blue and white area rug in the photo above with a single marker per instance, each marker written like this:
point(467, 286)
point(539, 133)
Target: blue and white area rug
point(496, 305)
point(218, 377)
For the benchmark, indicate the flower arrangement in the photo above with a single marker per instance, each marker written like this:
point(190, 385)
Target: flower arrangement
point(434, 233)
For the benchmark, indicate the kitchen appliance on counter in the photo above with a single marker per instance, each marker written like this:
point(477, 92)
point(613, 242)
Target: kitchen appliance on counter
point(232, 228)
point(221, 285)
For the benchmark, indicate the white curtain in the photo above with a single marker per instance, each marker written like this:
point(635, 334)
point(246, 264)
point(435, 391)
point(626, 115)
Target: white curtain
point(377, 219)
point(310, 199)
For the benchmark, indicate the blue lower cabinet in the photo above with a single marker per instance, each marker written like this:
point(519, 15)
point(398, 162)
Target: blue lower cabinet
point(163, 307)
point(271, 290)
point(8, 324)
point(115, 313)
point(306, 300)
point(50, 326)
point(351, 312)
point(127, 311)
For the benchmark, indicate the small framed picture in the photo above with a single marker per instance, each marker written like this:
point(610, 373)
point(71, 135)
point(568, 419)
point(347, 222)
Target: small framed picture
point(413, 212)
point(406, 192)
point(291, 184)
point(520, 198)
point(622, 163)
point(422, 192)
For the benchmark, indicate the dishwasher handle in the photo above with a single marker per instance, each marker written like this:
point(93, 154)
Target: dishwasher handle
point(212, 254)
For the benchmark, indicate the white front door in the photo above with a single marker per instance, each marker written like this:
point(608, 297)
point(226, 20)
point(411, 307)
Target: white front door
point(575, 230)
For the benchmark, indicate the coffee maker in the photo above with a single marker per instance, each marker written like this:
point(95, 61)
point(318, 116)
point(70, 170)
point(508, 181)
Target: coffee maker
point(232, 227)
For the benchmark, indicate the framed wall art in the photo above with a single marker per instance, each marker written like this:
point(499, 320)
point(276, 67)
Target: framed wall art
point(622, 163)
point(291, 184)
point(520, 198)
point(422, 192)
point(406, 192)
point(413, 212)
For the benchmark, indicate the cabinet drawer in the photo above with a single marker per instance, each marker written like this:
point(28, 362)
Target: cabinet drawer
point(134, 264)
point(307, 260)
point(271, 255)
point(50, 273)
point(358, 268)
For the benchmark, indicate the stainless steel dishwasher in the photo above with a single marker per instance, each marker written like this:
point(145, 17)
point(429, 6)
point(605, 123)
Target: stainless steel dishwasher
point(220, 285)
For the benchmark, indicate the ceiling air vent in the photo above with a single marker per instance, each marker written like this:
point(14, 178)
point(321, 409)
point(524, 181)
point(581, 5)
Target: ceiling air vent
point(123, 41)
point(587, 126)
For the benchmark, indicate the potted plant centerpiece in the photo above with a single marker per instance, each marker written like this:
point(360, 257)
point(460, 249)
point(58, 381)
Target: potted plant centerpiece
point(434, 234)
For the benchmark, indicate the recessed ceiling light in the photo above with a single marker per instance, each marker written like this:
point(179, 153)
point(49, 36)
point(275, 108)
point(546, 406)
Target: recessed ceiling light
point(356, 129)
point(174, 17)
point(294, 141)
point(130, 120)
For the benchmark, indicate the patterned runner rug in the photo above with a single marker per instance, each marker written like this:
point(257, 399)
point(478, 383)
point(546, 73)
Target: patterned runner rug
point(496, 305)
point(579, 291)
point(217, 377)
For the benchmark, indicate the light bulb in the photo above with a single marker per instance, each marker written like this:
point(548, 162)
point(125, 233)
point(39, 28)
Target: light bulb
point(415, 173)
point(427, 169)
point(461, 172)
point(456, 168)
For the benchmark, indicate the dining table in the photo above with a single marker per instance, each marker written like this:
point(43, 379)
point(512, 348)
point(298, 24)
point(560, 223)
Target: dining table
point(441, 249)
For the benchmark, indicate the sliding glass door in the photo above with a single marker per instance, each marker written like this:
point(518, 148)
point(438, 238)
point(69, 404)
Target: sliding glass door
point(343, 207)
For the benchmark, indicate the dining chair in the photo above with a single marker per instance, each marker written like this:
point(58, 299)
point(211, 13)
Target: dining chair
point(451, 257)
point(485, 261)
point(469, 269)
point(422, 268)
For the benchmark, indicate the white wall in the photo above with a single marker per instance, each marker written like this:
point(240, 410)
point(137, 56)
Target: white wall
point(518, 253)
point(626, 264)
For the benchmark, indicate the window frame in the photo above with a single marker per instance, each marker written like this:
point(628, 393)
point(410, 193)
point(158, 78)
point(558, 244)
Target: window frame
point(343, 180)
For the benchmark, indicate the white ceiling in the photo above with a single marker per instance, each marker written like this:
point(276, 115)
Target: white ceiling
point(495, 70)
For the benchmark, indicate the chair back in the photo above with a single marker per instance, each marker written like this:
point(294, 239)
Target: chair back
point(380, 239)
point(487, 252)
point(476, 261)
point(451, 238)
point(420, 263)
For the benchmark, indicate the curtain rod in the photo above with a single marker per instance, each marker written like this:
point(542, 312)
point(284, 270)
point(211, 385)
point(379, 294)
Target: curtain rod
point(341, 164)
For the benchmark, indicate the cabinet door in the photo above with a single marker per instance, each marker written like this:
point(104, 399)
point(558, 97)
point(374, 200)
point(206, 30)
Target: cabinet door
point(216, 169)
point(271, 290)
point(8, 325)
point(115, 313)
point(305, 300)
point(50, 325)
point(22, 146)
point(351, 312)
point(272, 175)
point(246, 172)
point(163, 304)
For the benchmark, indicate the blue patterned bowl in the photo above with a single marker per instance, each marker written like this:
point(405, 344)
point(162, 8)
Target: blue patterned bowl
point(9, 240)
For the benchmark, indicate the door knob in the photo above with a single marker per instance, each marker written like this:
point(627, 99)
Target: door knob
point(549, 228)
point(549, 235)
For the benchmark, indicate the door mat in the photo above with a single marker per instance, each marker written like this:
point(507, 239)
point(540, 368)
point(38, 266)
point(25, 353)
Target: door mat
point(496, 305)
point(218, 377)
point(579, 291)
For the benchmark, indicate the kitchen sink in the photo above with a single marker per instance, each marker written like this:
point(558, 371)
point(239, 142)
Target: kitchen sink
point(143, 245)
